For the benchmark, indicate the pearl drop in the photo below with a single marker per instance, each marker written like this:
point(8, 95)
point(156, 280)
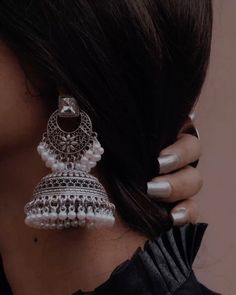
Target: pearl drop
point(111, 221)
point(67, 224)
point(90, 216)
point(61, 166)
point(39, 225)
point(82, 223)
point(50, 162)
point(38, 216)
point(46, 226)
point(89, 154)
point(74, 223)
point(54, 167)
point(52, 226)
point(51, 159)
point(53, 216)
point(98, 218)
point(40, 149)
point(59, 226)
point(62, 215)
point(100, 151)
point(28, 220)
point(71, 215)
point(96, 146)
point(44, 156)
point(91, 164)
point(45, 216)
point(78, 166)
point(96, 158)
point(84, 160)
point(83, 167)
point(81, 215)
point(33, 217)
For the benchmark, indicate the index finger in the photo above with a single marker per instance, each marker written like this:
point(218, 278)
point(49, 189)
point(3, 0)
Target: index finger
point(184, 151)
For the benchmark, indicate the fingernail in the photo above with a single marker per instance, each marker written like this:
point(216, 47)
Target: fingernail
point(168, 163)
point(161, 189)
point(192, 116)
point(180, 216)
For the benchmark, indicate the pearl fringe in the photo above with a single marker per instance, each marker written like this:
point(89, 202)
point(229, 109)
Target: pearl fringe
point(86, 163)
point(44, 220)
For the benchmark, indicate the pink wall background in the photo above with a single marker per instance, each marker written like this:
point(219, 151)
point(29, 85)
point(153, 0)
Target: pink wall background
point(216, 120)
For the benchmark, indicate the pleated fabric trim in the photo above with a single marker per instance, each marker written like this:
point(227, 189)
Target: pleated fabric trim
point(161, 267)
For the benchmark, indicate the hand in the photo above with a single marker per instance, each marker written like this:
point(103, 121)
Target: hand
point(183, 183)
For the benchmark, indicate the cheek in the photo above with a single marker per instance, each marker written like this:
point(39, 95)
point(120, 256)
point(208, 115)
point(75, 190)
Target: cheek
point(21, 114)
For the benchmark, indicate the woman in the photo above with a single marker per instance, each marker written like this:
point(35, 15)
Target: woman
point(136, 68)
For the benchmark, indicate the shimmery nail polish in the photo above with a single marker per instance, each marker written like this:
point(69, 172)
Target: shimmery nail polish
point(160, 189)
point(168, 163)
point(180, 216)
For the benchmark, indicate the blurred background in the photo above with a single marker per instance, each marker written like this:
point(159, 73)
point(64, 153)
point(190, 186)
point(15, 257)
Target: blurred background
point(216, 120)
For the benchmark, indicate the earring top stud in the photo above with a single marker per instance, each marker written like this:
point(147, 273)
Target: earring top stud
point(68, 107)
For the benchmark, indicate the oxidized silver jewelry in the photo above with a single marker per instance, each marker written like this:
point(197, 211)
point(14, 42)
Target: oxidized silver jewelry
point(70, 196)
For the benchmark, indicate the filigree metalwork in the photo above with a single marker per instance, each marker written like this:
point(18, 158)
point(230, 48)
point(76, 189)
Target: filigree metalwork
point(70, 196)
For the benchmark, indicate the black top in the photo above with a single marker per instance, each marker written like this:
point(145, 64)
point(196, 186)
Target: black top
point(163, 267)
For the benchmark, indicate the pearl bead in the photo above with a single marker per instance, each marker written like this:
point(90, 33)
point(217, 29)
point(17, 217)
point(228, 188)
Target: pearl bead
point(100, 151)
point(90, 216)
point(84, 160)
point(82, 223)
point(61, 166)
point(91, 164)
point(81, 215)
point(47, 226)
point(110, 221)
point(98, 218)
point(39, 225)
point(52, 226)
point(45, 216)
point(59, 226)
point(28, 220)
point(83, 167)
point(96, 146)
point(33, 217)
point(40, 149)
point(44, 156)
point(55, 167)
point(50, 162)
point(96, 158)
point(78, 166)
point(89, 154)
point(38, 216)
point(62, 215)
point(67, 224)
point(71, 215)
point(53, 216)
point(75, 223)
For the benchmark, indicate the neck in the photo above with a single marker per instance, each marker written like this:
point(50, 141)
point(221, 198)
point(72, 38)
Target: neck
point(52, 262)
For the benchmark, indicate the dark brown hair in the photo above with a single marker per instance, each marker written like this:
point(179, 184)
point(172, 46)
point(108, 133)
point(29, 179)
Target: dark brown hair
point(136, 66)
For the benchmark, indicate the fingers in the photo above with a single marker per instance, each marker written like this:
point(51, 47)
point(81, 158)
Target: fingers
point(180, 154)
point(177, 186)
point(185, 212)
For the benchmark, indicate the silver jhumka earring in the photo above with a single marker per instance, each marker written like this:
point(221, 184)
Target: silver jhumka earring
point(70, 196)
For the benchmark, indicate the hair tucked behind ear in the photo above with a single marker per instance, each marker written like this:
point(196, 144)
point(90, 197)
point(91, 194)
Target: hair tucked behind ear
point(136, 66)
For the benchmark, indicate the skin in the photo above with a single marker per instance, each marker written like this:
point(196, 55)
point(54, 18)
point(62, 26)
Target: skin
point(59, 262)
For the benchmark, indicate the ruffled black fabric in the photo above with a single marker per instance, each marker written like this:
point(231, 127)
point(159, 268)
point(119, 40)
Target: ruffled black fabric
point(163, 267)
